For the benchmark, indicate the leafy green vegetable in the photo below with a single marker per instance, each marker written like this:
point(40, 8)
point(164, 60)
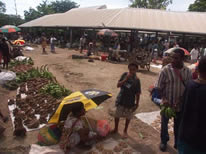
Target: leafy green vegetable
point(55, 90)
point(35, 73)
point(25, 62)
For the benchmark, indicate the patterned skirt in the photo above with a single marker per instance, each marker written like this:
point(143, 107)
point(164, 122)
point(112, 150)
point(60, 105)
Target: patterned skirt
point(122, 112)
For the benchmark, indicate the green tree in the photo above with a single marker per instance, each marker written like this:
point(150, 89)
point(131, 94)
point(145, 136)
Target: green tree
point(45, 8)
point(41, 10)
point(152, 4)
point(2, 7)
point(7, 19)
point(61, 6)
point(31, 14)
point(198, 6)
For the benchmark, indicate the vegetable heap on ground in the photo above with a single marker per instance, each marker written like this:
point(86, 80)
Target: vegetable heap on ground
point(18, 67)
point(21, 66)
point(38, 97)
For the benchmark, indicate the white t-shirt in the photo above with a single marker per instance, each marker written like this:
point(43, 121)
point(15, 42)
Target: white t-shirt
point(52, 40)
point(194, 54)
point(205, 52)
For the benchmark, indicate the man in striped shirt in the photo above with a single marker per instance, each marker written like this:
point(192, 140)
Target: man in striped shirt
point(171, 84)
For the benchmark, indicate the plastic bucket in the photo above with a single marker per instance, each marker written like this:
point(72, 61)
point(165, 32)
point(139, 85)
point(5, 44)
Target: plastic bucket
point(103, 57)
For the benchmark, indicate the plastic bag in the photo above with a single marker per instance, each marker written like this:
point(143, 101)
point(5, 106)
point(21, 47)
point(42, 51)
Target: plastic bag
point(49, 135)
point(7, 76)
point(27, 48)
point(21, 58)
point(103, 127)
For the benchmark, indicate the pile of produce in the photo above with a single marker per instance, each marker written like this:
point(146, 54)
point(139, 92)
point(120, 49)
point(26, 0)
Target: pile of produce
point(55, 90)
point(42, 72)
point(24, 76)
point(34, 108)
point(11, 85)
point(26, 61)
point(167, 111)
point(21, 66)
point(36, 100)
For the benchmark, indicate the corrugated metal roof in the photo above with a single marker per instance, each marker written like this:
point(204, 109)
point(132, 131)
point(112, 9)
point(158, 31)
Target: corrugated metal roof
point(126, 18)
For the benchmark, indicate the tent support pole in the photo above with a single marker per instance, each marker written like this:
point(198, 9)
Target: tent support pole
point(136, 38)
point(94, 35)
point(156, 35)
point(168, 37)
point(183, 40)
point(70, 37)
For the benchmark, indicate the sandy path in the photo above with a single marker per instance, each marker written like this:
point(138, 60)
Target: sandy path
point(80, 75)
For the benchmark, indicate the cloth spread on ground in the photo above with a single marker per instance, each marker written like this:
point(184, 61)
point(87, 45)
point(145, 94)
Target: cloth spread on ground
point(55, 149)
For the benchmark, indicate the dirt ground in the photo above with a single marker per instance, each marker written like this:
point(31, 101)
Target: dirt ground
point(79, 75)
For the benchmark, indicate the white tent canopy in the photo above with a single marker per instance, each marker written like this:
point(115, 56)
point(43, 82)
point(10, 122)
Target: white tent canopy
point(126, 18)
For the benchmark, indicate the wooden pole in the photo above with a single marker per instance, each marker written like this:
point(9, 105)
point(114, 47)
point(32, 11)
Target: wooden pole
point(168, 36)
point(183, 40)
point(156, 36)
point(70, 37)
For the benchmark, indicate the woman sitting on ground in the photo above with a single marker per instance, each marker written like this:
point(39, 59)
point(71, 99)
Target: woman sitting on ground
point(74, 130)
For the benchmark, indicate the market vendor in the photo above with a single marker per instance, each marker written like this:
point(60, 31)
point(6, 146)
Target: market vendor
point(75, 130)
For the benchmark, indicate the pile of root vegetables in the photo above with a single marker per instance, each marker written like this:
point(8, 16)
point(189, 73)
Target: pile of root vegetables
point(18, 67)
point(21, 66)
point(38, 96)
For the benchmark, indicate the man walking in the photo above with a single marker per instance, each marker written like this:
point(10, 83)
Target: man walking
point(194, 55)
point(82, 43)
point(171, 84)
point(52, 44)
point(43, 43)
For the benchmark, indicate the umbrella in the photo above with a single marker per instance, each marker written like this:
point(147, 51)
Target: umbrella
point(107, 32)
point(91, 98)
point(172, 49)
point(9, 29)
point(19, 42)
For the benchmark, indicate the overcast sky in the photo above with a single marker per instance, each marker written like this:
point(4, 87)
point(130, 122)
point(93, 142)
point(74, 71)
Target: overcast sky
point(178, 5)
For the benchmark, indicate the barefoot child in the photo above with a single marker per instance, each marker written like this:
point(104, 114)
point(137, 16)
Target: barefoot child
point(128, 98)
